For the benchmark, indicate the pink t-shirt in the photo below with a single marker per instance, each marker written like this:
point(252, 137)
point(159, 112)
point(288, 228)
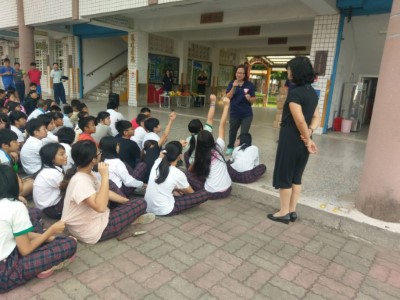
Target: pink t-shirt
point(81, 220)
point(34, 76)
point(134, 124)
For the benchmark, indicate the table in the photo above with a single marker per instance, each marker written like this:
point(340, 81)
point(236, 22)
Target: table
point(161, 100)
point(179, 103)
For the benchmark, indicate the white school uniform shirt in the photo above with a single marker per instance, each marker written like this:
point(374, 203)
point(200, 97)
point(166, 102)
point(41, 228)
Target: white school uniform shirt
point(46, 187)
point(159, 197)
point(5, 159)
point(67, 122)
point(50, 138)
point(138, 138)
point(245, 160)
point(56, 75)
point(150, 136)
point(70, 161)
point(14, 222)
point(118, 173)
point(36, 113)
point(19, 133)
point(30, 158)
point(218, 180)
point(115, 116)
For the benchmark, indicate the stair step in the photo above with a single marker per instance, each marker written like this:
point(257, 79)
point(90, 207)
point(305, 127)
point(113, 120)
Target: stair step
point(97, 98)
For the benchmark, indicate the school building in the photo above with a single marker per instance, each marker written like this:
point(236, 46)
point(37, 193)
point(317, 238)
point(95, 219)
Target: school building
point(125, 46)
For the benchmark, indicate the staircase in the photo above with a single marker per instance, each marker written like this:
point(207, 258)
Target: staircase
point(101, 92)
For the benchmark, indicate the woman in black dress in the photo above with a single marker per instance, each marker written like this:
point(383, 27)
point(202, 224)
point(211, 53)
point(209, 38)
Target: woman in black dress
point(300, 118)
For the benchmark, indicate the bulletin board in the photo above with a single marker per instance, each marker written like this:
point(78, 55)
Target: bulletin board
point(158, 64)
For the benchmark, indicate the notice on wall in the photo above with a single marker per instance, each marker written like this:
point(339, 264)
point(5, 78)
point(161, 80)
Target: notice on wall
point(321, 58)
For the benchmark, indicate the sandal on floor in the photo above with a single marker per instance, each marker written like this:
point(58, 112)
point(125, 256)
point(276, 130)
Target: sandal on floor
point(61, 265)
point(145, 219)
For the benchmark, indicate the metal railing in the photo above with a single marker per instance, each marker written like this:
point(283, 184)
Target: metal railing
point(108, 61)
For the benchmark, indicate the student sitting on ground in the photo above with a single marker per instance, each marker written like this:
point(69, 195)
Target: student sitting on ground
point(55, 108)
point(41, 108)
point(168, 191)
point(103, 126)
point(46, 188)
point(121, 181)
point(244, 165)
point(31, 101)
point(194, 127)
point(129, 152)
point(9, 148)
point(78, 131)
point(209, 169)
point(18, 123)
point(75, 108)
point(140, 132)
point(58, 119)
point(4, 120)
point(66, 137)
point(48, 121)
point(26, 254)
point(67, 109)
point(145, 111)
point(30, 157)
point(88, 127)
point(86, 213)
point(115, 116)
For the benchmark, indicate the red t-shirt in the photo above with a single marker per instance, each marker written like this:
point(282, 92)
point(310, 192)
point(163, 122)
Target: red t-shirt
point(35, 75)
point(86, 137)
point(134, 124)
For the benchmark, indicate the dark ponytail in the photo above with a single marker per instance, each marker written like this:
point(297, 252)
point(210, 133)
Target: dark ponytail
point(194, 127)
point(172, 151)
point(244, 141)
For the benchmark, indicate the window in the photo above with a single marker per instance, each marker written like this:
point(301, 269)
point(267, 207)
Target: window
point(41, 52)
point(59, 54)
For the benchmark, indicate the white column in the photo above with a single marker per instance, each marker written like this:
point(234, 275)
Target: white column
point(138, 49)
point(182, 52)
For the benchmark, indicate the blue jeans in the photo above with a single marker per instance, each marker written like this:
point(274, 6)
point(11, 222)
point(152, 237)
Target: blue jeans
point(59, 93)
point(20, 87)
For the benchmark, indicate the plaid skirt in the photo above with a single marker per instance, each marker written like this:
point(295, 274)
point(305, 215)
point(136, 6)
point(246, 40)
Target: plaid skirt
point(55, 211)
point(188, 201)
point(16, 269)
point(248, 176)
point(197, 183)
point(138, 173)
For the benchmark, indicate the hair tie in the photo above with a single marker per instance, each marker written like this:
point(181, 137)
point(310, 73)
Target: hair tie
point(164, 151)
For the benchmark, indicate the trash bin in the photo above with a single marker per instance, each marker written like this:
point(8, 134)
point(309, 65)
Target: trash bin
point(346, 126)
point(113, 97)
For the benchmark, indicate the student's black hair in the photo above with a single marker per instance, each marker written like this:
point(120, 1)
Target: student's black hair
point(82, 114)
point(151, 123)
point(48, 153)
point(75, 102)
point(302, 70)
point(108, 147)
point(32, 84)
point(6, 59)
point(32, 64)
point(194, 127)
point(171, 153)
point(245, 67)
point(102, 115)
point(5, 119)
point(81, 106)
point(55, 108)
point(84, 122)
point(34, 125)
point(66, 135)
point(41, 103)
point(82, 152)
point(205, 149)
point(11, 106)
point(112, 105)
point(15, 116)
point(67, 109)
point(122, 125)
point(145, 110)
point(2, 91)
point(9, 186)
point(48, 103)
point(140, 118)
point(17, 63)
point(56, 115)
point(7, 136)
point(46, 119)
point(244, 140)
point(11, 91)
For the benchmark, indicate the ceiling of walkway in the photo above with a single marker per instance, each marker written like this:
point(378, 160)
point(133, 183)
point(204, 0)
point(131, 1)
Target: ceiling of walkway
point(291, 20)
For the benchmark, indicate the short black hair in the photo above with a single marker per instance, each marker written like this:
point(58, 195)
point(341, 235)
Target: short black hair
point(55, 63)
point(15, 116)
point(83, 122)
point(145, 110)
point(67, 109)
point(11, 106)
point(122, 125)
point(46, 119)
point(151, 123)
point(17, 63)
point(6, 59)
point(75, 102)
point(140, 118)
point(102, 115)
point(302, 70)
point(34, 125)
point(112, 105)
point(2, 91)
point(32, 64)
point(7, 136)
point(82, 114)
point(32, 84)
point(66, 135)
point(5, 119)
point(81, 106)
point(41, 103)
point(56, 115)
point(55, 108)
point(9, 185)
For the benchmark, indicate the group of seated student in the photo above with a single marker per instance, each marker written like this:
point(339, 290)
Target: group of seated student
point(90, 178)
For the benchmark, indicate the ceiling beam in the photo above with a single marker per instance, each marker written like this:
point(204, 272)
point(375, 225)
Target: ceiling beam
point(322, 7)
